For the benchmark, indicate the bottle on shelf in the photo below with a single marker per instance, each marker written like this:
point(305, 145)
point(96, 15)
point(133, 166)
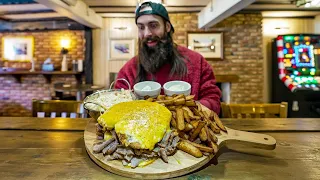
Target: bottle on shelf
point(32, 65)
point(80, 65)
point(64, 63)
point(74, 65)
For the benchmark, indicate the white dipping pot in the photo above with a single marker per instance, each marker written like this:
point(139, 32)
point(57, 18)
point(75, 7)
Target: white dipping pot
point(147, 88)
point(177, 87)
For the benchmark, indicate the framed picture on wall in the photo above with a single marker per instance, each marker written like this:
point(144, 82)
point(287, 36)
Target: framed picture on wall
point(208, 44)
point(17, 48)
point(122, 49)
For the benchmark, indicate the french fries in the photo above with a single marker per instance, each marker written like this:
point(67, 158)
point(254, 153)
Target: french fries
point(190, 97)
point(214, 127)
point(196, 132)
point(188, 127)
point(178, 102)
point(180, 119)
point(173, 122)
point(190, 103)
point(203, 135)
point(196, 125)
point(189, 148)
point(161, 97)
point(201, 147)
point(212, 136)
point(218, 122)
point(166, 102)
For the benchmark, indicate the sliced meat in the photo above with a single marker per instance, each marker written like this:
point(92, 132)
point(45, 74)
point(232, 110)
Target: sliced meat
point(122, 151)
point(117, 156)
point(130, 151)
point(125, 163)
point(110, 148)
point(113, 147)
point(114, 156)
point(99, 133)
point(128, 157)
point(104, 150)
point(163, 155)
point(109, 158)
point(135, 162)
point(170, 138)
point(137, 152)
point(175, 141)
point(161, 145)
point(100, 137)
point(165, 139)
point(114, 134)
point(156, 149)
point(151, 155)
point(99, 127)
point(99, 147)
point(146, 151)
point(171, 150)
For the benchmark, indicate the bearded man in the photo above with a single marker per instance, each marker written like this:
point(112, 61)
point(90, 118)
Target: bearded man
point(161, 60)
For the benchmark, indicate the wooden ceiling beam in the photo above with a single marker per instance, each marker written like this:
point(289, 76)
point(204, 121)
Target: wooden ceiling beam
point(22, 8)
point(31, 16)
point(272, 6)
point(79, 12)
point(218, 10)
point(132, 9)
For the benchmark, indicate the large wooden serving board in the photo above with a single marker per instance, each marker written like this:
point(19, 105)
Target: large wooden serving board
point(180, 163)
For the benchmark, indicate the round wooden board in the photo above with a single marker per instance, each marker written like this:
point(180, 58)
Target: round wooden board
point(179, 164)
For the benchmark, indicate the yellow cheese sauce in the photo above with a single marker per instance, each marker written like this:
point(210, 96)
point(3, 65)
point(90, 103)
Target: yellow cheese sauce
point(142, 121)
point(107, 135)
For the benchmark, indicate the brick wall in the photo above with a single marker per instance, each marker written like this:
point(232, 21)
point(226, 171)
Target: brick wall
point(47, 44)
point(16, 97)
point(242, 51)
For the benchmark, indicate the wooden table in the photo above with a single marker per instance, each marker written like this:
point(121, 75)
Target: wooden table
point(44, 148)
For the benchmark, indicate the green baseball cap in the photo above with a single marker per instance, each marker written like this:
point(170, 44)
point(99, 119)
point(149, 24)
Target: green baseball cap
point(155, 8)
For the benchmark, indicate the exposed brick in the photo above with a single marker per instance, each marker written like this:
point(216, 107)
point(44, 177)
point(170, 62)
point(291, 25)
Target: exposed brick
point(242, 47)
point(18, 96)
point(242, 51)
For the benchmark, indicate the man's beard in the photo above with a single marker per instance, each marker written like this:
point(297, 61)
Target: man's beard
point(153, 58)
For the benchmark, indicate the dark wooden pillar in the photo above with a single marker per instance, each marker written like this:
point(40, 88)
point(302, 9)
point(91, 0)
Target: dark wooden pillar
point(88, 63)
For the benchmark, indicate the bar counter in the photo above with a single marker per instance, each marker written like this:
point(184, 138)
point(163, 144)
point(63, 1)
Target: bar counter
point(53, 148)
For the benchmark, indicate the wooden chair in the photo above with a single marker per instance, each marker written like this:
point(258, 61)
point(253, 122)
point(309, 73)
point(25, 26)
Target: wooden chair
point(62, 95)
point(58, 108)
point(270, 110)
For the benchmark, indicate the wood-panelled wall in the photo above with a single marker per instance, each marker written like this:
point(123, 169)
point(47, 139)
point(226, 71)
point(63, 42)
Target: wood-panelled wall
point(103, 65)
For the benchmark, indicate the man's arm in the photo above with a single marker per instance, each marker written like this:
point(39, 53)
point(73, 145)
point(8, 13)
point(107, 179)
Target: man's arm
point(119, 83)
point(127, 72)
point(209, 93)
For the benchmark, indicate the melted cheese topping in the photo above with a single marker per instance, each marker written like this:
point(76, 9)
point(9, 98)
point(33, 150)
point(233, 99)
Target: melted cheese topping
point(141, 121)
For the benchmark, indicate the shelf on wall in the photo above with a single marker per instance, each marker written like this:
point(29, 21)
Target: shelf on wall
point(221, 78)
point(17, 73)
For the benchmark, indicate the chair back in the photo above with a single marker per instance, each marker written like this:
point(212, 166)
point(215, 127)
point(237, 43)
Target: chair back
point(269, 110)
point(62, 95)
point(58, 108)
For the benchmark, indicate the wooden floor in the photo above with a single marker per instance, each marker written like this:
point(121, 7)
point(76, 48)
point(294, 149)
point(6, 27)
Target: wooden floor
point(33, 148)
